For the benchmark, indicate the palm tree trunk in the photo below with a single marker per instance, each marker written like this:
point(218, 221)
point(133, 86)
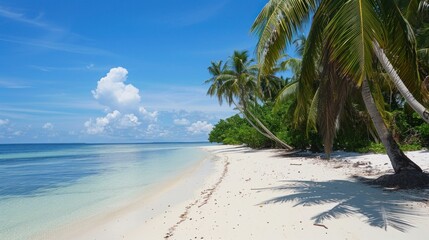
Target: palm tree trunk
point(251, 123)
point(272, 136)
point(397, 158)
point(374, 136)
point(418, 107)
point(262, 130)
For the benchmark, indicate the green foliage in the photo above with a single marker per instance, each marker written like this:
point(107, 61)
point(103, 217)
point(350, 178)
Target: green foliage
point(410, 129)
point(226, 131)
point(303, 113)
point(235, 130)
point(379, 148)
point(252, 138)
point(231, 141)
point(411, 147)
point(372, 147)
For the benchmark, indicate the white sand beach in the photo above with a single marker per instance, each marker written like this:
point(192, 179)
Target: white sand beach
point(262, 194)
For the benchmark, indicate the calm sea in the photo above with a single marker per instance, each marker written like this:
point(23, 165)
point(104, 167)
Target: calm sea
point(46, 185)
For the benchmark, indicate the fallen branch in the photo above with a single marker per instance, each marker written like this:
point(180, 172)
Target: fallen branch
point(320, 225)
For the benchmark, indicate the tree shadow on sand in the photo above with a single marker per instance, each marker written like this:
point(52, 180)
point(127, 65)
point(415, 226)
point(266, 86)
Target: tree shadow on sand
point(381, 208)
point(236, 149)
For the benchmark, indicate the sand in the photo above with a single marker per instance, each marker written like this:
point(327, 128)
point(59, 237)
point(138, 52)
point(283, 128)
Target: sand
point(262, 194)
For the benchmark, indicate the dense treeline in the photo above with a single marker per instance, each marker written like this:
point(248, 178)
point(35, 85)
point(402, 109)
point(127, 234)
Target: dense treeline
point(408, 128)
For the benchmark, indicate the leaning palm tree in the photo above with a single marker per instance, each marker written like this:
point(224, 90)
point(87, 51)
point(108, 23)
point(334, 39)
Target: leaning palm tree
point(236, 83)
point(344, 37)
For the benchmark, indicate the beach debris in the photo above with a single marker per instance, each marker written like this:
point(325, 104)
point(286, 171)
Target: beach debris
point(320, 225)
point(206, 194)
point(296, 164)
point(360, 163)
point(209, 192)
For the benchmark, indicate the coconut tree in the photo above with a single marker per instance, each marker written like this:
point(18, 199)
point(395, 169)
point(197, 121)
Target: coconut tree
point(237, 81)
point(346, 39)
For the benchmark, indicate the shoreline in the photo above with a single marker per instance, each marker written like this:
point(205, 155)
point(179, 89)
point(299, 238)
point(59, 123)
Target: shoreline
point(123, 216)
point(253, 194)
point(266, 194)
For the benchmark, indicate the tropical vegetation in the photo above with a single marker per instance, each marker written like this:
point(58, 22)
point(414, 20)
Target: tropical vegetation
point(362, 79)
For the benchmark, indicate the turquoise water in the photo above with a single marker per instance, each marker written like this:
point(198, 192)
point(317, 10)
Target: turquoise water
point(47, 185)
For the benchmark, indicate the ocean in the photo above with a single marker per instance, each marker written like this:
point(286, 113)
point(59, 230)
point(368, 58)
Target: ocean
point(43, 186)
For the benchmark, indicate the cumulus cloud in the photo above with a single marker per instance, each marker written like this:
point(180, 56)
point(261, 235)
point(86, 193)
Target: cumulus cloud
point(112, 91)
point(48, 126)
point(99, 124)
point(155, 131)
point(129, 120)
point(113, 120)
point(4, 122)
point(181, 122)
point(122, 101)
point(153, 116)
point(200, 127)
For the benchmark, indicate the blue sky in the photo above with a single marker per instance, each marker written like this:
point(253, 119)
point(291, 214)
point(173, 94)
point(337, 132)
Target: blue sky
point(115, 71)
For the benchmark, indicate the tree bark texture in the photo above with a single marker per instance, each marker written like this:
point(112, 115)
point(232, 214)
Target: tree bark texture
point(397, 158)
point(417, 106)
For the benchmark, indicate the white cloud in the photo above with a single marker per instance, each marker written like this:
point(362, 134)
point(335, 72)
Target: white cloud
point(4, 122)
point(129, 120)
point(151, 128)
point(126, 116)
point(48, 126)
point(181, 122)
point(200, 127)
point(99, 125)
point(112, 92)
point(122, 100)
point(113, 120)
point(155, 131)
point(152, 116)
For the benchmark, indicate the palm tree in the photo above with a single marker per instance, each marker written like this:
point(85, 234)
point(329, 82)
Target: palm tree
point(237, 80)
point(344, 37)
point(215, 70)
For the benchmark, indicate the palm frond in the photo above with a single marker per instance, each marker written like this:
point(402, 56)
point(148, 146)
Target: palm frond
point(400, 47)
point(412, 9)
point(423, 55)
point(352, 30)
point(286, 93)
point(300, 43)
point(276, 25)
point(333, 92)
point(293, 64)
point(423, 9)
point(312, 113)
point(309, 72)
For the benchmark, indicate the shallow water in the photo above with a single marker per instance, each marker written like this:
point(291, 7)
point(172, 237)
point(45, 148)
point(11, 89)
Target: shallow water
point(43, 186)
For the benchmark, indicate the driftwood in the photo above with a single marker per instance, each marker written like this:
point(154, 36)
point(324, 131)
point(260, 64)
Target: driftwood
point(320, 225)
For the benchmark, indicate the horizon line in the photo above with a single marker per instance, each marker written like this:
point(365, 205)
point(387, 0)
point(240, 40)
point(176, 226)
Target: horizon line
point(105, 143)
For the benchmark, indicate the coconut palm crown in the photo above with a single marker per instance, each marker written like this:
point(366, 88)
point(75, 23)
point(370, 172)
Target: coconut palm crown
point(347, 41)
